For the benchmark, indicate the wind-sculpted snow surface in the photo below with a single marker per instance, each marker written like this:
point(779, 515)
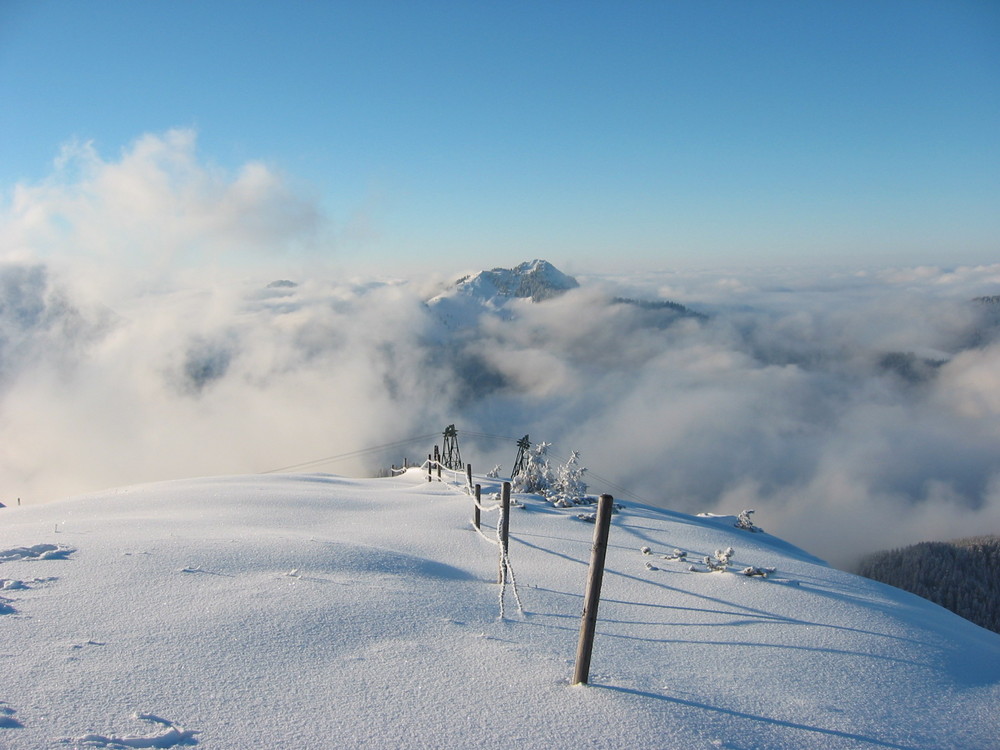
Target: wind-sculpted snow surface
point(36, 551)
point(170, 736)
point(313, 611)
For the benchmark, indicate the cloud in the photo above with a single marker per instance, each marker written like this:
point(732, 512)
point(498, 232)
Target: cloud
point(852, 413)
point(157, 210)
point(853, 410)
point(206, 382)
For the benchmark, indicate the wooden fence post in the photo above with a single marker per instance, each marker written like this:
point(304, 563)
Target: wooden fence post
point(475, 510)
point(591, 600)
point(468, 475)
point(504, 530)
point(429, 464)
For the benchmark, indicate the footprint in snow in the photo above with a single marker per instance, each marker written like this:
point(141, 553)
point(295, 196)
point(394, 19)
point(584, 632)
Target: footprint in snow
point(10, 584)
point(199, 569)
point(7, 720)
point(36, 552)
point(88, 643)
point(171, 735)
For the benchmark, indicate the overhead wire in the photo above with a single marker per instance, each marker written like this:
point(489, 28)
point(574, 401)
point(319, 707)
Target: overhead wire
point(352, 454)
point(428, 436)
point(486, 435)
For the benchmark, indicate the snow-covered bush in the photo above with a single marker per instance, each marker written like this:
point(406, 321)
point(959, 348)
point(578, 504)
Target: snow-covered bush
point(743, 521)
point(752, 571)
point(563, 486)
point(721, 560)
point(568, 489)
point(493, 473)
point(537, 476)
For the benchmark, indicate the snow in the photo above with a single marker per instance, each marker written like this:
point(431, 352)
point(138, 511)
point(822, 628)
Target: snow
point(317, 611)
point(460, 306)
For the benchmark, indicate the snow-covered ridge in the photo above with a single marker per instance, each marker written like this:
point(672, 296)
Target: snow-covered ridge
point(317, 611)
point(536, 280)
point(461, 304)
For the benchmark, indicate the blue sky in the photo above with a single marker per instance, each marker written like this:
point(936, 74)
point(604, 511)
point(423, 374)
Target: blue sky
point(600, 135)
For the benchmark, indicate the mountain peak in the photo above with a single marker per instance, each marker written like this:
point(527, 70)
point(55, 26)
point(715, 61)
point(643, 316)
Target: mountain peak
point(536, 280)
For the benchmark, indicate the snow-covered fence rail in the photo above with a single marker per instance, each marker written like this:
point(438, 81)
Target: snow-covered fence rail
point(505, 571)
point(459, 478)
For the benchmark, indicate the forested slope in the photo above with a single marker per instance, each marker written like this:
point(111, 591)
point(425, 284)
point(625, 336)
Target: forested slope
point(962, 575)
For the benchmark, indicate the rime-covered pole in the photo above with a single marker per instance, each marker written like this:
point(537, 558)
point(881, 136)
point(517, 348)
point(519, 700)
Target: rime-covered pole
point(591, 600)
point(504, 530)
point(475, 508)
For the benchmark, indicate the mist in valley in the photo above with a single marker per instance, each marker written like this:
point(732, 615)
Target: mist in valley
point(160, 319)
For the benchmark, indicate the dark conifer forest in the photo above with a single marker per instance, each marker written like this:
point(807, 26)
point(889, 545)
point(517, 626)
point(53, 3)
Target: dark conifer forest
point(962, 575)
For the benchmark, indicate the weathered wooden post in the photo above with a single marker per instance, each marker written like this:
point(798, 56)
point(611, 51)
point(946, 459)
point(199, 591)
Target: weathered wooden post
point(475, 509)
point(430, 463)
point(437, 460)
point(592, 598)
point(468, 476)
point(504, 530)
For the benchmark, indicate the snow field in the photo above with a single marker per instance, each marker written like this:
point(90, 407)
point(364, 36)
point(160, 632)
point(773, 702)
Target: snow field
point(315, 611)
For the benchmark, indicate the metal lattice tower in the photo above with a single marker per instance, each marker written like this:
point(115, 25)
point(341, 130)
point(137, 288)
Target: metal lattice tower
point(451, 456)
point(522, 456)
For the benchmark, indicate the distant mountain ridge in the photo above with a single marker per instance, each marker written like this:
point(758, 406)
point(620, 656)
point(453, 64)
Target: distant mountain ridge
point(675, 309)
point(537, 280)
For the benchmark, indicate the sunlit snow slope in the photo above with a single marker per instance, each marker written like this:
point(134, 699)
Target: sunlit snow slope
point(314, 611)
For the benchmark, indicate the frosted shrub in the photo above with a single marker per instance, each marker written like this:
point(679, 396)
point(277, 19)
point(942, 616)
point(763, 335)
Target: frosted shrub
point(537, 476)
point(568, 489)
point(563, 486)
point(743, 521)
point(721, 560)
point(752, 571)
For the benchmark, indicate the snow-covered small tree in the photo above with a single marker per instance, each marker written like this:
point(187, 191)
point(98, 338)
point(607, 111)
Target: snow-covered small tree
point(568, 489)
point(744, 522)
point(719, 563)
point(537, 476)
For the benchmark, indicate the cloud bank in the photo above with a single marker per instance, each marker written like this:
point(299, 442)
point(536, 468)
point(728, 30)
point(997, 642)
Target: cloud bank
point(853, 410)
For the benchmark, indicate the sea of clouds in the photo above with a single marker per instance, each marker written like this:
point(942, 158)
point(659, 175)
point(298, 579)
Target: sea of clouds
point(162, 318)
